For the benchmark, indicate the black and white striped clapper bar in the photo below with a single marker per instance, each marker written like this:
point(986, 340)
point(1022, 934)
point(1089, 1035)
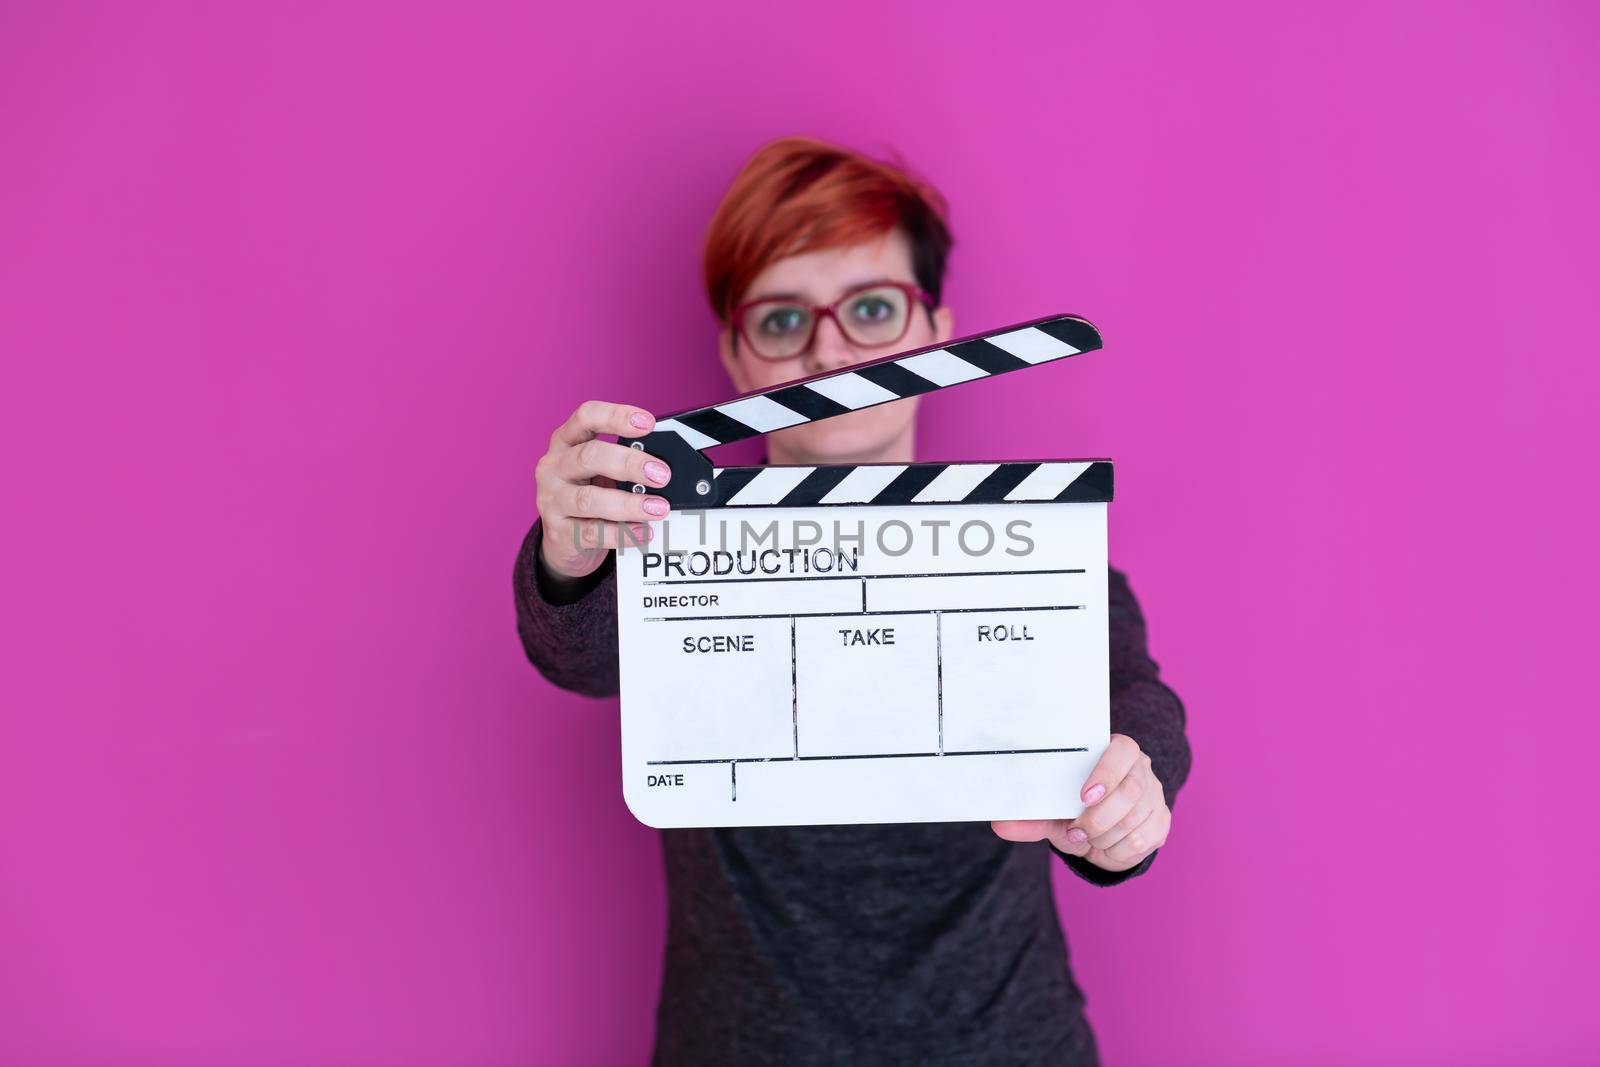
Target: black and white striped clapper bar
point(866, 643)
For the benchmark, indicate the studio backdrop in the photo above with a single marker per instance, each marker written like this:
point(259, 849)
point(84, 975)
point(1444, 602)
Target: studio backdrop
point(292, 296)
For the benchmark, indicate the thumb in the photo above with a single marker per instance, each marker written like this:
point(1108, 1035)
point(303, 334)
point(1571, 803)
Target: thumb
point(1070, 838)
point(1022, 829)
point(1059, 832)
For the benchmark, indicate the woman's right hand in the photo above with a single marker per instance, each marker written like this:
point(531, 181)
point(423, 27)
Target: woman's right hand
point(583, 512)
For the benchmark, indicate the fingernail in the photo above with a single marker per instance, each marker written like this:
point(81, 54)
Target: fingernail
point(1077, 836)
point(657, 472)
point(655, 505)
point(639, 420)
point(642, 531)
point(1094, 793)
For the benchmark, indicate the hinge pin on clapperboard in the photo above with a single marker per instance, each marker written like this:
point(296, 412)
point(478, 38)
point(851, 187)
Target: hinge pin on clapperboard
point(701, 486)
point(639, 445)
point(679, 440)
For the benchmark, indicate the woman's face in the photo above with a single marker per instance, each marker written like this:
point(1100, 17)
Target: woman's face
point(821, 278)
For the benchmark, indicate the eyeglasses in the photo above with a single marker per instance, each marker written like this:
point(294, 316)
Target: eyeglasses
point(869, 316)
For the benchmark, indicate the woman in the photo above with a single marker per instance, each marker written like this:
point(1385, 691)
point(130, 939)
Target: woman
point(909, 943)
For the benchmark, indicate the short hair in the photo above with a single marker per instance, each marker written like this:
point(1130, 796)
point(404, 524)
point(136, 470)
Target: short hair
point(801, 194)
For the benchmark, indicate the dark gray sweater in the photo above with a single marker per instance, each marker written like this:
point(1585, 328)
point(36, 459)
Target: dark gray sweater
point(919, 943)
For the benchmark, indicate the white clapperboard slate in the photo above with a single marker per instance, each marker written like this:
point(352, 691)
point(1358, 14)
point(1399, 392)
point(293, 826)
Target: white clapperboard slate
point(769, 679)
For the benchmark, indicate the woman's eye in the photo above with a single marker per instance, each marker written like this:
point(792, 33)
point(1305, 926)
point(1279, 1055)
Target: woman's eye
point(782, 321)
point(872, 309)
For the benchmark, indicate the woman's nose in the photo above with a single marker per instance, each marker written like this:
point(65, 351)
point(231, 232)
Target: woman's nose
point(829, 348)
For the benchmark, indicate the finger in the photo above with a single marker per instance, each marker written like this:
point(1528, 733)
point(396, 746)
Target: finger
point(607, 459)
point(1117, 760)
point(1142, 839)
point(596, 417)
point(590, 501)
point(629, 534)
point(580, 535)
point(1149, 799)
point(1098, 819)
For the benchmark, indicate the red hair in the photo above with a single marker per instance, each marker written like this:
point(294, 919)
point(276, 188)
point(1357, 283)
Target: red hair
point(801, 193)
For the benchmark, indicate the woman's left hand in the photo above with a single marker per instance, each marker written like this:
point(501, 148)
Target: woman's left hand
point(1125, 817)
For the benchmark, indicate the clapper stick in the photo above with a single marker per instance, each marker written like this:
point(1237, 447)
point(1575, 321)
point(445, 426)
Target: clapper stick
point(682, 438)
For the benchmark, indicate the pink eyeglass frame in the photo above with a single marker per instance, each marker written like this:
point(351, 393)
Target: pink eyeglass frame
point(913, 293)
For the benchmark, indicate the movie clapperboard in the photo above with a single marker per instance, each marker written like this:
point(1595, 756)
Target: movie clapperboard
point(873, 643)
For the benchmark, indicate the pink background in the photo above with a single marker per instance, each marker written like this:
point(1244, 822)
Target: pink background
point(291, 298)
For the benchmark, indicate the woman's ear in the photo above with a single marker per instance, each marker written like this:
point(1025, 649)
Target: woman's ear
point(944, 322)
point(731, 363)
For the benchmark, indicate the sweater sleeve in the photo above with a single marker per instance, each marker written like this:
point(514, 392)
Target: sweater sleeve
point(1143, 708)
point(572, 639)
